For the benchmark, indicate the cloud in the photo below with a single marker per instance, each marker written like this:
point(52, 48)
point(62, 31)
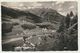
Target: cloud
point(71, 7)
point(21, 5)
point(60, 9)
point(59, 2)
point(35, 4)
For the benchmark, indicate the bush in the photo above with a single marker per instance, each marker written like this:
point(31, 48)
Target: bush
point(28, 26)
point(47, 25)
point(15, 23)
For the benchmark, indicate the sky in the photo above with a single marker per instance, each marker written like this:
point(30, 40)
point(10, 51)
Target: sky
point(63, 7)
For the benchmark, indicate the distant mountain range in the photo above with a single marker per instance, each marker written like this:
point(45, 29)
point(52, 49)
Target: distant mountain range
point(9, 12)
point(34, 15)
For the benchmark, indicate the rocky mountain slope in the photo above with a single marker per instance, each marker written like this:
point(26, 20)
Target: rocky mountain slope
point(50, 15)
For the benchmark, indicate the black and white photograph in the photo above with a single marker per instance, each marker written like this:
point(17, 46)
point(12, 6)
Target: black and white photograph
point(39, 26)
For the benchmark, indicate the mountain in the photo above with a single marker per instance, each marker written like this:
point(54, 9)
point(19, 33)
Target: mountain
point(50, 15)
point(9, 12)
point(33, 15)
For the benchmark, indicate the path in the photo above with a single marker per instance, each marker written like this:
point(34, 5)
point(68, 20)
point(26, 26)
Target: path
point(11, 40)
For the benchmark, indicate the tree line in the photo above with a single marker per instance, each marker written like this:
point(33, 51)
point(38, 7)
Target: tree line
point(68, 21)
point(69, 38)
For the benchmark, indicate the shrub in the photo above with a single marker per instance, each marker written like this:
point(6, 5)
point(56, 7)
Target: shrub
point(15, 23)
point(28, 26)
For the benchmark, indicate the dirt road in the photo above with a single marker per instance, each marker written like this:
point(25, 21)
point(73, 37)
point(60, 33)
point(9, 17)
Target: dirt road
point(11, 40)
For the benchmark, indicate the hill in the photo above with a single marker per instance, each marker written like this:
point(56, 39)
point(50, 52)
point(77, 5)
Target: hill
point(48, 15)
point(12, 13)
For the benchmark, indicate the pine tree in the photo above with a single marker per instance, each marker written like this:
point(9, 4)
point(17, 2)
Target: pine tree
point(71, 14)
point(71, 18)
point(67, 21)
point(62, 26)
point(75, 20)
